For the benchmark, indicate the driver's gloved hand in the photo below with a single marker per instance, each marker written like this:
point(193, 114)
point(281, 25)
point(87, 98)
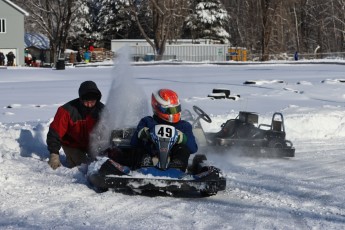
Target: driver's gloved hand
point(144, 134)
point(182, 138)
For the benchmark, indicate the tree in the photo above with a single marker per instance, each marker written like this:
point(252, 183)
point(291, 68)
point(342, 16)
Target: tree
point(162, 19)
point(209, 20)
point(264, 27)
point(57, 19)
point(268, 10)
point(116, 21)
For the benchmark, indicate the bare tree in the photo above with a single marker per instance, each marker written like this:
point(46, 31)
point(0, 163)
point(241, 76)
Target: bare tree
point(165, 17)
point(268, 12)
point(57, 19)
point(264, 27)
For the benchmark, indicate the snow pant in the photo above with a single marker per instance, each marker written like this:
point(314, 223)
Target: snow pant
point(75, 157)
point(179, 157)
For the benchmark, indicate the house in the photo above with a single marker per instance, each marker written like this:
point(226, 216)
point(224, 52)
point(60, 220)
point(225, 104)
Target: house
point(12, 30)
point(38, 46)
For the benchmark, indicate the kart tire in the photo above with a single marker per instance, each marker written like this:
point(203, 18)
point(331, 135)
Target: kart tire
point(217, 95)
point(225, 91)
point(249, 82)
point(276, 143)
point(97, 182)
point(205, 193)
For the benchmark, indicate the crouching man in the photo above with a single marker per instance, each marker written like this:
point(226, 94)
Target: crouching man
point(72, 125)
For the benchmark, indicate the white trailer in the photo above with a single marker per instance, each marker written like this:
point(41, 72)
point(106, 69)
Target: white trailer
point(185, 50)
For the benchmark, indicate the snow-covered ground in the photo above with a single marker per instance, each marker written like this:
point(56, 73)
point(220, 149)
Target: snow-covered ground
point(304, 192)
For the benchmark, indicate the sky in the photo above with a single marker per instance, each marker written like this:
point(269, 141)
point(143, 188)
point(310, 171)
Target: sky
point(304, 192)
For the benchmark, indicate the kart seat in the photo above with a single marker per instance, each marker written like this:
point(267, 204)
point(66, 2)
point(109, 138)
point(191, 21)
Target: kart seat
point(277, 126)
point(228, 128)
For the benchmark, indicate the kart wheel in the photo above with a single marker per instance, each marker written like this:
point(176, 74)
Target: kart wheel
point(210, 191)
point(202, 114)
point(97, 182)
point(206, 193)
point(225, 91)
point(276, 143)
point(217, 95)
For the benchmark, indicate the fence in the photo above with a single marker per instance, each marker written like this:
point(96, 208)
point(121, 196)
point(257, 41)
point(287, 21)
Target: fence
point(301, 56)
point(217, 53)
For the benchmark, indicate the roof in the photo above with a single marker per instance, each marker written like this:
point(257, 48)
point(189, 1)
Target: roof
point(16, 7)
point(39, 41)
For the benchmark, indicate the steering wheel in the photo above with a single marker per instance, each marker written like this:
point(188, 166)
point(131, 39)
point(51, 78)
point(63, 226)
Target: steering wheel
point(201, 114)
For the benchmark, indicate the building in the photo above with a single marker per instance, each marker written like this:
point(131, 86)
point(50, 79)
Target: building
point(184, 50)
point(38, 46)
point(12, 30)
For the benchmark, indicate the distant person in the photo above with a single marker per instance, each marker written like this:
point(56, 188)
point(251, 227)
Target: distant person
point(72, 125)
point(71, 57)
point(2, 59)
point(296, 56)
point(10, 58)
point(166, 109)
point(87, 56)
point(42, 57)
point(28, 59)
point(78, 56)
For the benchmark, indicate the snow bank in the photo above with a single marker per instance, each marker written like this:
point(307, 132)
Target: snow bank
point(301, 123)
point(315, 123)
point(25, 140)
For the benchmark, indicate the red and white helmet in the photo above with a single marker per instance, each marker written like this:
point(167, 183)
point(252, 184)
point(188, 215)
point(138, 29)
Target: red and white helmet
point(166, 105)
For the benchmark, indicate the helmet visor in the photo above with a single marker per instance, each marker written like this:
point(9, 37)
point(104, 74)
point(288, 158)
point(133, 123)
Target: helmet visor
point(170, 110)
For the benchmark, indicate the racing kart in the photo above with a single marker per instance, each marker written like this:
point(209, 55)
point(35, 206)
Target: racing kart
point(244, 135)
point(107, 173)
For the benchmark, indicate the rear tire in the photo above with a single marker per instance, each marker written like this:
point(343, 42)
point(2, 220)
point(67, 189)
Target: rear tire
point(217, 95)
point(205, 193)
point(225, 91)
point(97, 182)
point(276, 143)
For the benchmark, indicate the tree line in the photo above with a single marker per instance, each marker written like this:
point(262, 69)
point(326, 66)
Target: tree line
point(264, 27)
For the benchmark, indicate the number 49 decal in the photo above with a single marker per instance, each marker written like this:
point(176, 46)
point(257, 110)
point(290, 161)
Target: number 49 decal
point(165, 131)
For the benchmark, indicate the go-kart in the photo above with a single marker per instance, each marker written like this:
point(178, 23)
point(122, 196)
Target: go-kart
point(244, 135)
point(107, 173)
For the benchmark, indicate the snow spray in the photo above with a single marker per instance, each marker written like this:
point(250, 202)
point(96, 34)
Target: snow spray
point(126, 104)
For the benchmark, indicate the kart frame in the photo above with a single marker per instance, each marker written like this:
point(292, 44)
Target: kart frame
point(243, 135)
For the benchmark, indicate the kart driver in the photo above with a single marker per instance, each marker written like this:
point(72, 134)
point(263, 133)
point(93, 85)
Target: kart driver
point(166, 110)
point(72, 125)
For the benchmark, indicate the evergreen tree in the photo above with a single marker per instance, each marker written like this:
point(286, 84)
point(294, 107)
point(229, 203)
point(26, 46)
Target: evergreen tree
point(208, 20)
point(116, 21)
